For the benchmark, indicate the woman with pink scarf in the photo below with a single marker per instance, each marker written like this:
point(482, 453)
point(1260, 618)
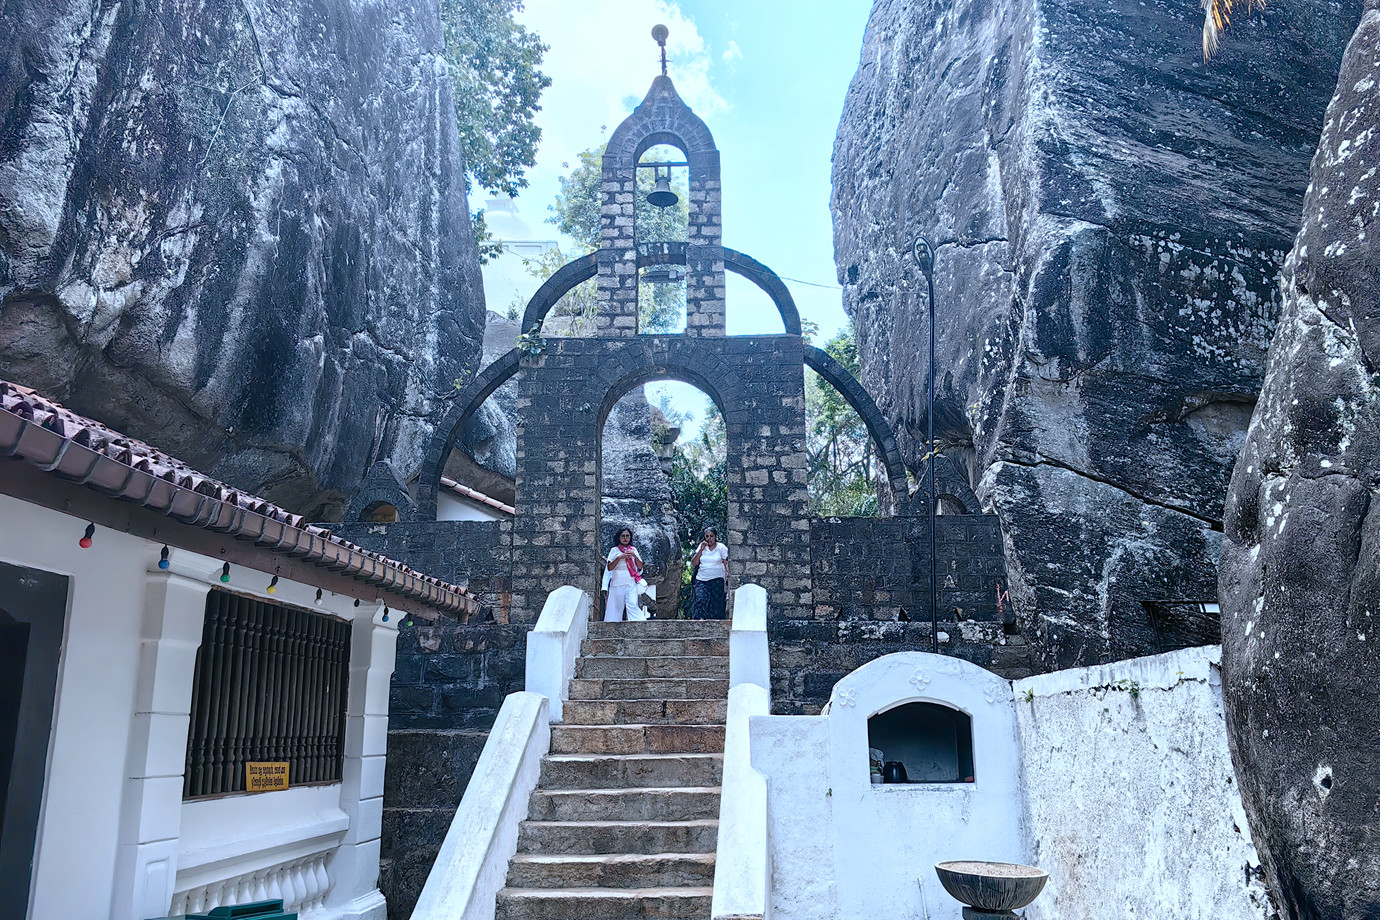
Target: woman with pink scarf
point(624, 580)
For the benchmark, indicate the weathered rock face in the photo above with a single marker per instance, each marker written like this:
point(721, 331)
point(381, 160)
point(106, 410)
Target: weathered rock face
point(1110, 214)
point(1300, 580)
point(486, 456)
point(237, 230)
point(637, 494)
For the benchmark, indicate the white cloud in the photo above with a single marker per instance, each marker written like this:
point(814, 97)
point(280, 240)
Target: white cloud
point(732, 52)
point(601, 61)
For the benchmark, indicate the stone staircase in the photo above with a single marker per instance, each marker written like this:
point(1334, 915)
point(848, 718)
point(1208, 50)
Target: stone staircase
point(625, 817)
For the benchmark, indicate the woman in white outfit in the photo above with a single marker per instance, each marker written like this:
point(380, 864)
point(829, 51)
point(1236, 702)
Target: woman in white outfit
point(624, 574)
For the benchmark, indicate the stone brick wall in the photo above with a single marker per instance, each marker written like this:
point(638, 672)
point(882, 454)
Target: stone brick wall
point(565, 393)
point(661, 118)
point(448, 684)
point(866, 572)
point(473, 554)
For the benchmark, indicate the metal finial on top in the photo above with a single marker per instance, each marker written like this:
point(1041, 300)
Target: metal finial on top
point(660, 34)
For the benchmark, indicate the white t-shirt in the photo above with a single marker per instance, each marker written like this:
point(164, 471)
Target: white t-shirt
point(712, 563)
point(620, 574)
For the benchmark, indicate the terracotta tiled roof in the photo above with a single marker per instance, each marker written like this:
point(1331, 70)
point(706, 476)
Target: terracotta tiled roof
point(476, 495)
point(73, 447)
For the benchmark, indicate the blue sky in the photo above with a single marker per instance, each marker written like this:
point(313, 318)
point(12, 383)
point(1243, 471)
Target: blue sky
point(769, 78)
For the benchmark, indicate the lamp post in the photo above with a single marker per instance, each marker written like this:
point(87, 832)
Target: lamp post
point(924, 258)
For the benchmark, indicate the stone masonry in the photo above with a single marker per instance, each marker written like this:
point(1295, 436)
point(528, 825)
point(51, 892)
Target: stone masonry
point(567, 390)
point(662, 118)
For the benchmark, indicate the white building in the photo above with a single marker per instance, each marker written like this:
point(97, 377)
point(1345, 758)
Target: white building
point(508, 281)
point(161, 636)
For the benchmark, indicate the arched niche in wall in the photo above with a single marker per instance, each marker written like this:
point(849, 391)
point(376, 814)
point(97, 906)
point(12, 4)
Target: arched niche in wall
point(933, 742)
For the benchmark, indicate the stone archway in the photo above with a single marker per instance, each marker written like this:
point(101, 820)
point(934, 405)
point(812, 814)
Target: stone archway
point(576, 272)
point(567, 391)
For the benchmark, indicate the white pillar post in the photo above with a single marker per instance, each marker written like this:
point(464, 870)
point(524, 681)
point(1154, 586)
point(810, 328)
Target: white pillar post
point(354, 867)
point(151, 813)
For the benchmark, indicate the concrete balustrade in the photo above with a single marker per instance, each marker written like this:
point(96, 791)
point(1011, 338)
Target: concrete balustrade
point(473, 862)
point(554, 645)
point(741, 870)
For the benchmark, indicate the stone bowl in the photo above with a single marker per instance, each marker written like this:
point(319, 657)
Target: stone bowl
point(991, 886)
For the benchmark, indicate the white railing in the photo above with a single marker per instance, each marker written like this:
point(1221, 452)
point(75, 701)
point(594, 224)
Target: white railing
point(553, 645)
point(473, 861)
point(740, 874)
point(302, 884)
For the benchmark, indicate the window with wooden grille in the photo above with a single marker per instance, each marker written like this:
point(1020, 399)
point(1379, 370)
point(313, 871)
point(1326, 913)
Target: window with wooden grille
point(270, 685)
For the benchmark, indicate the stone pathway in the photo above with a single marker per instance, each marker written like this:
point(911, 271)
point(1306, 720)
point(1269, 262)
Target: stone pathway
point(625, 817)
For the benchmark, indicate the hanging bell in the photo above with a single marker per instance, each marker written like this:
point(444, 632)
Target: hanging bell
point(662, 196)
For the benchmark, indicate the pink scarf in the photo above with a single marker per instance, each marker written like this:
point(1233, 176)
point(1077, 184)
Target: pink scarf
point(631, 560)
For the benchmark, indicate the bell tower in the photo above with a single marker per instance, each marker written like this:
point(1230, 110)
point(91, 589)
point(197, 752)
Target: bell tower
point(661, 118)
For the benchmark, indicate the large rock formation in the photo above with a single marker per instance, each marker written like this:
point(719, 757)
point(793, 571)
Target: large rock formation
point(1300, 582)
point(237, 230)
point(637, 494)
point(1110, 214)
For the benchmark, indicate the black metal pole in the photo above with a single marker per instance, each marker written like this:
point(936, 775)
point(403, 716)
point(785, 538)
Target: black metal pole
point(924, 257)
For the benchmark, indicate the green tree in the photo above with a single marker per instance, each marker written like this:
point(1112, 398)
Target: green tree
point(839, 453)
point(576, 213)
point(497, 88)
point(699, 488)
point(494, 68)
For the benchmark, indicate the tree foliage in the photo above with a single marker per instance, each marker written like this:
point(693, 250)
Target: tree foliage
point(494, 68)
point(842, 461)
point(699, 485)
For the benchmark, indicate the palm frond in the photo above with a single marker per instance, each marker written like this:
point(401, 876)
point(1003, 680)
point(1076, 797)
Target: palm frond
point(1216, 18)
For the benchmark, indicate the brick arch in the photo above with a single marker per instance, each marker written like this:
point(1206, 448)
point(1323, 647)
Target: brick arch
point(567, 391)
point(582, 269)
point(819, 360)
point(443, 438)
point(662, 118)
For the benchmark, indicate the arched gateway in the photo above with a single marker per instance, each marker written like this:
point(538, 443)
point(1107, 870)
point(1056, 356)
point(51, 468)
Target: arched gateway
point(567, 387)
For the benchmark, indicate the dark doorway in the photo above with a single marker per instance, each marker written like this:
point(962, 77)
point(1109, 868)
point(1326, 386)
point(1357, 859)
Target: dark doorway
point(33, 608)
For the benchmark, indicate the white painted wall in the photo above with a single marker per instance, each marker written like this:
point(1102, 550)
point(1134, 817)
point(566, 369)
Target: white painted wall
point(880, 843)
point(452, 507)
point(115, 838)
point(1132, 800)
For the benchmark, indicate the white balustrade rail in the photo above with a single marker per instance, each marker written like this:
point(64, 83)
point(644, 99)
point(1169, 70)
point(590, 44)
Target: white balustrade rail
point(741, 870)
point(473, 861)
point(553, 645)
point(302, 884)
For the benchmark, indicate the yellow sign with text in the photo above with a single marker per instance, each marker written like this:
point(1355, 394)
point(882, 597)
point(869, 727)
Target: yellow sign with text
point(265, 776)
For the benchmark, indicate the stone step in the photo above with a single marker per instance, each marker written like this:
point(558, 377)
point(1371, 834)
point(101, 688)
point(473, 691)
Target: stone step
point(660, 629)
point(604, 903)
point(693, 647)
point(637, 739)
point(657, 870)
point(649, 688)
point(608, 667)
point(646, 804)
point(623, 712)
point(631, 771)
point(601, 837)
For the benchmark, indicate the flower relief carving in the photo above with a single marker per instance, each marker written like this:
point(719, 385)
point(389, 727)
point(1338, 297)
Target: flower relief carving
point(920, 680)
point(846, 697)
point(996, 694)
